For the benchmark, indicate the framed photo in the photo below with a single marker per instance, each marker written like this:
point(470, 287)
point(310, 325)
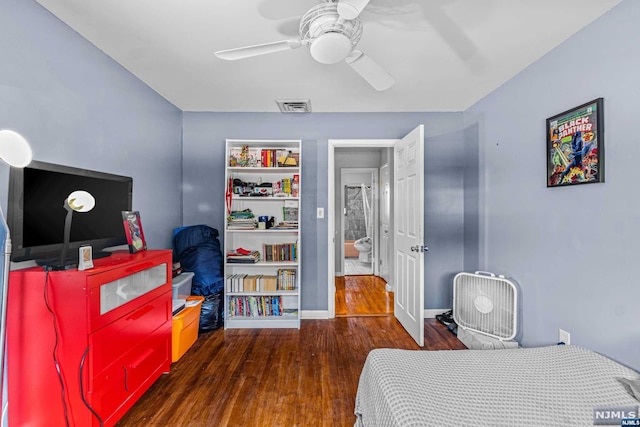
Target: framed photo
point(575, 145)
point(85, 255)
point(133, 231)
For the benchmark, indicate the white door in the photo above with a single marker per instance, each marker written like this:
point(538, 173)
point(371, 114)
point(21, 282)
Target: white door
point(385, 226)
point(408, 205)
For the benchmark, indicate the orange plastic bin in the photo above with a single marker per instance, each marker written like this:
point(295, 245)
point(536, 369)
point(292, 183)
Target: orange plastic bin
point(185, 328)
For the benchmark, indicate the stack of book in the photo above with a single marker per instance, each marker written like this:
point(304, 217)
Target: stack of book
point(242, 256)
point(287, 225)
point(241, 220)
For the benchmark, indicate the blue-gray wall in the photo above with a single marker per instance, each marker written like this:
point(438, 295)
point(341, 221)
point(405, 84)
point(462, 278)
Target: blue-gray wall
point(78, 107)
point(204, 141)
point(573, 250)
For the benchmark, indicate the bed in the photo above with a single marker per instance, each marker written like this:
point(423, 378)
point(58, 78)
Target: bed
point(544, 386)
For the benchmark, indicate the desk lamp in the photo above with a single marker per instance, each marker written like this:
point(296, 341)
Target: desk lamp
point(77, 201)
point(16, 152)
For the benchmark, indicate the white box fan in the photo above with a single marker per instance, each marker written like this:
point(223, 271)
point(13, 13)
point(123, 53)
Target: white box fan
point(485, 308)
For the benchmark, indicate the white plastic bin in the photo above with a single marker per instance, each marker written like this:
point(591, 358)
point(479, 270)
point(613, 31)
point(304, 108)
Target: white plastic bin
point(182, 285)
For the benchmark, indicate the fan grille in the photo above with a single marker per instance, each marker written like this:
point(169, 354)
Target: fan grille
point(324, 18)
point(485, 304)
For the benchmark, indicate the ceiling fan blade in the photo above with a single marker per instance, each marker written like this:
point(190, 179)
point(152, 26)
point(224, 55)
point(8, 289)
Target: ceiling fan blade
point(369, 70)
point(450, 31)
point(350, 9)
point(259, 49)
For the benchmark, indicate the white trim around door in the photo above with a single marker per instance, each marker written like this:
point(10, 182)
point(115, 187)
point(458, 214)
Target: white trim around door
point(331, 226)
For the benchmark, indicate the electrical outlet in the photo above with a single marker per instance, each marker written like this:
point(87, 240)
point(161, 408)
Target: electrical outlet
point(564, 336)
point(320, 213)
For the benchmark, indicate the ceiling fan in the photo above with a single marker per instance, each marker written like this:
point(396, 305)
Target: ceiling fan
point(331, 30)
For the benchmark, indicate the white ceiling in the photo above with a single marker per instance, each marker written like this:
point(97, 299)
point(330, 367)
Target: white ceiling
point(444, 54)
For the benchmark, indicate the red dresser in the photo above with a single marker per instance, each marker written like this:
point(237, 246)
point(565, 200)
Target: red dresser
point(109, 326)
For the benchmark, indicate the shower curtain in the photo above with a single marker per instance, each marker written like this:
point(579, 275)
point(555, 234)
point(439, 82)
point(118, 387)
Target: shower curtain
point(355, 223)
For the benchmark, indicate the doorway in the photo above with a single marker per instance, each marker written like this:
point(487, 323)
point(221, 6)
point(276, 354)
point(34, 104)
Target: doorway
point(359, 289)
point(406, 266)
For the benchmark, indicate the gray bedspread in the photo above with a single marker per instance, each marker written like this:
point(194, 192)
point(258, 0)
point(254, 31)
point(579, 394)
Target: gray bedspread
point(545, 386)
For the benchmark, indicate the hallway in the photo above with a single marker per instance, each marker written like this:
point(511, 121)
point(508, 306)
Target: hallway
point(362, 296)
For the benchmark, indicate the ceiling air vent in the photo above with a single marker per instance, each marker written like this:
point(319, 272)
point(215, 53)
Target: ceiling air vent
point(294, 105)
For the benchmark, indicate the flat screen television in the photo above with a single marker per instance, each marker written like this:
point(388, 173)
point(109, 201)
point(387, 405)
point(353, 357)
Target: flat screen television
point(36, 212)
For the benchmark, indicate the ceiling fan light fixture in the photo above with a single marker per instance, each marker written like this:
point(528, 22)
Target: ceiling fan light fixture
point(332, 36)
point(330, 48)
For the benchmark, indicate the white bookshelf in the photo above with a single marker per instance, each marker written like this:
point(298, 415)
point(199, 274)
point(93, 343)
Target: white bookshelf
point(247, 303)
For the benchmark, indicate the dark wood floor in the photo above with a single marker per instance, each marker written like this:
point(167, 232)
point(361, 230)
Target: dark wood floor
point(362, 296)
point(275, 377)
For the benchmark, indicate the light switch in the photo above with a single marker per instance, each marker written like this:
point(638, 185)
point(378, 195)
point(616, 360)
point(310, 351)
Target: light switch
point(320, 213)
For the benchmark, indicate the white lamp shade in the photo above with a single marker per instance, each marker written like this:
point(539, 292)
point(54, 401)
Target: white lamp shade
point(81, 201)
point(14, 149)
point(330, 48)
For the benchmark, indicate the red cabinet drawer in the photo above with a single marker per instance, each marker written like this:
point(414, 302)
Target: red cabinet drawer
point(115, 293)
point(115, 339)
point(114, 390)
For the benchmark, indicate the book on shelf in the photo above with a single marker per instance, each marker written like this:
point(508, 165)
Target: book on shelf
point(278, 252)
point(287, 225)
point(269, 157)
point(286, 279)
point(241, 225)
point(290, 211)
point(255, 306)
point(290, 312)
point(251, 283)
point(295, 185)
point(235, 282)
point(285, 185)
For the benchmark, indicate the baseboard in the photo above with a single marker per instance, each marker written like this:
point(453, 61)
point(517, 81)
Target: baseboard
point(314, 314)
point(430, 313)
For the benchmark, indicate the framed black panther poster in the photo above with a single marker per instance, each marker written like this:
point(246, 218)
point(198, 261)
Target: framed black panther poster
point(575, 145)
